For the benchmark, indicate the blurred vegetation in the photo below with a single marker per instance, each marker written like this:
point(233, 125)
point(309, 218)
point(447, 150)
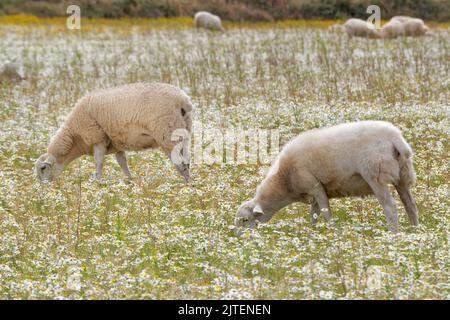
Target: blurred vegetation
point(244, 10)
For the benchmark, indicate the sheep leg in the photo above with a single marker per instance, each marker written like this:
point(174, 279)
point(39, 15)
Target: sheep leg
point(409, 203)
point(386, 200)
point(315, 211)
point(99, 156)
point(122, 161)
point(321, 198)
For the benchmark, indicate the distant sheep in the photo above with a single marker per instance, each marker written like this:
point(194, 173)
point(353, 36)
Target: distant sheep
point(352, 159)
point(132, 117)
point(392, 29)
point(208, 20)
point(9, 72)
point(414, 27)
point(356, 28)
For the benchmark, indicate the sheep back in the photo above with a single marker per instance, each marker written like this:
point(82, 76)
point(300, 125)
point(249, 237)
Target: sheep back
point(132, 117)
point(338, 156)
point(413, 26)
point(393, 29)
point(359, 28)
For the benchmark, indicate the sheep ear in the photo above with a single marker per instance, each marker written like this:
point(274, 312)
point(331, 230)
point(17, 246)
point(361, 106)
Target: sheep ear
point(258, 210)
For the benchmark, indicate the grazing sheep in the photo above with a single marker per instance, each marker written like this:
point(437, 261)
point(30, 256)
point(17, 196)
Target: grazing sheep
point(352, 159)
point(414, 27)
point(393, 29)
point(358, 28)
point(208, 20)
point(132, 117)
point(9, 72)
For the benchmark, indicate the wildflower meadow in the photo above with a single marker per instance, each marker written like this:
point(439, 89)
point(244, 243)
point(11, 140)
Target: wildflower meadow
point(158, 237)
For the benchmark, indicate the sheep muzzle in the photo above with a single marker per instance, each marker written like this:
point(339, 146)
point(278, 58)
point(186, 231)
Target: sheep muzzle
point(184, 169)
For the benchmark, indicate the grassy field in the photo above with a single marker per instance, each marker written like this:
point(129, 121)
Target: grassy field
point(158, 238)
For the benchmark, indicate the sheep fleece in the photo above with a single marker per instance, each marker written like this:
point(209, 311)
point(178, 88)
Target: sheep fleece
point(208, 20)
point(131, 117)
point(335, 156)
point(359, 28)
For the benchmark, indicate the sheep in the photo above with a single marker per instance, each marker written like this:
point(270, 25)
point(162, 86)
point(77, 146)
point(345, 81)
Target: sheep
point(350, 159)
point(208, 20)
point(393, 29)
point(131, 117)
point(9, 72)
point(357, 28)
point(414, 27)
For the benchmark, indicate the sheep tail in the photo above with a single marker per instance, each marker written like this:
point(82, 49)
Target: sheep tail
point(405, 153)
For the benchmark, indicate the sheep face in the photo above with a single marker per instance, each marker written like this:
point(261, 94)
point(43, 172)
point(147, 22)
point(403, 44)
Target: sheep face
point(184, 169)
point(181, 158)
point(46, 168)
point(248, 215)
point(180, 154)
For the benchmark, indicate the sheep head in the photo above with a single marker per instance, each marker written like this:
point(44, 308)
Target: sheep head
point(184, 169)
point(180, 154)
point(249, 215)
point(47, 169)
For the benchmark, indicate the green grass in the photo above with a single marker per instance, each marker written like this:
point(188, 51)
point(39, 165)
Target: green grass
point(160, 238)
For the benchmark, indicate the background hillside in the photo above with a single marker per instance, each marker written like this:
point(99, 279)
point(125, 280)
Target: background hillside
point(250, 10)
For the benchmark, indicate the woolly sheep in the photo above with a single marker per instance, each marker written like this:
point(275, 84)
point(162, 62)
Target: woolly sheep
point(357, 28)
point(414, 27)
point(351, 159)
point(392, 29)
point(132, 117)
point(9, 72)
point(208, 20)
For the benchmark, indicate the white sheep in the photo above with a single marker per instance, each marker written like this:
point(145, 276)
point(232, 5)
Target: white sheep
point(414, 27)
point(352, 159)
point(357, 28)
point(392, 29)
point(132, 117)
point(208, 20)
point(9, 72)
